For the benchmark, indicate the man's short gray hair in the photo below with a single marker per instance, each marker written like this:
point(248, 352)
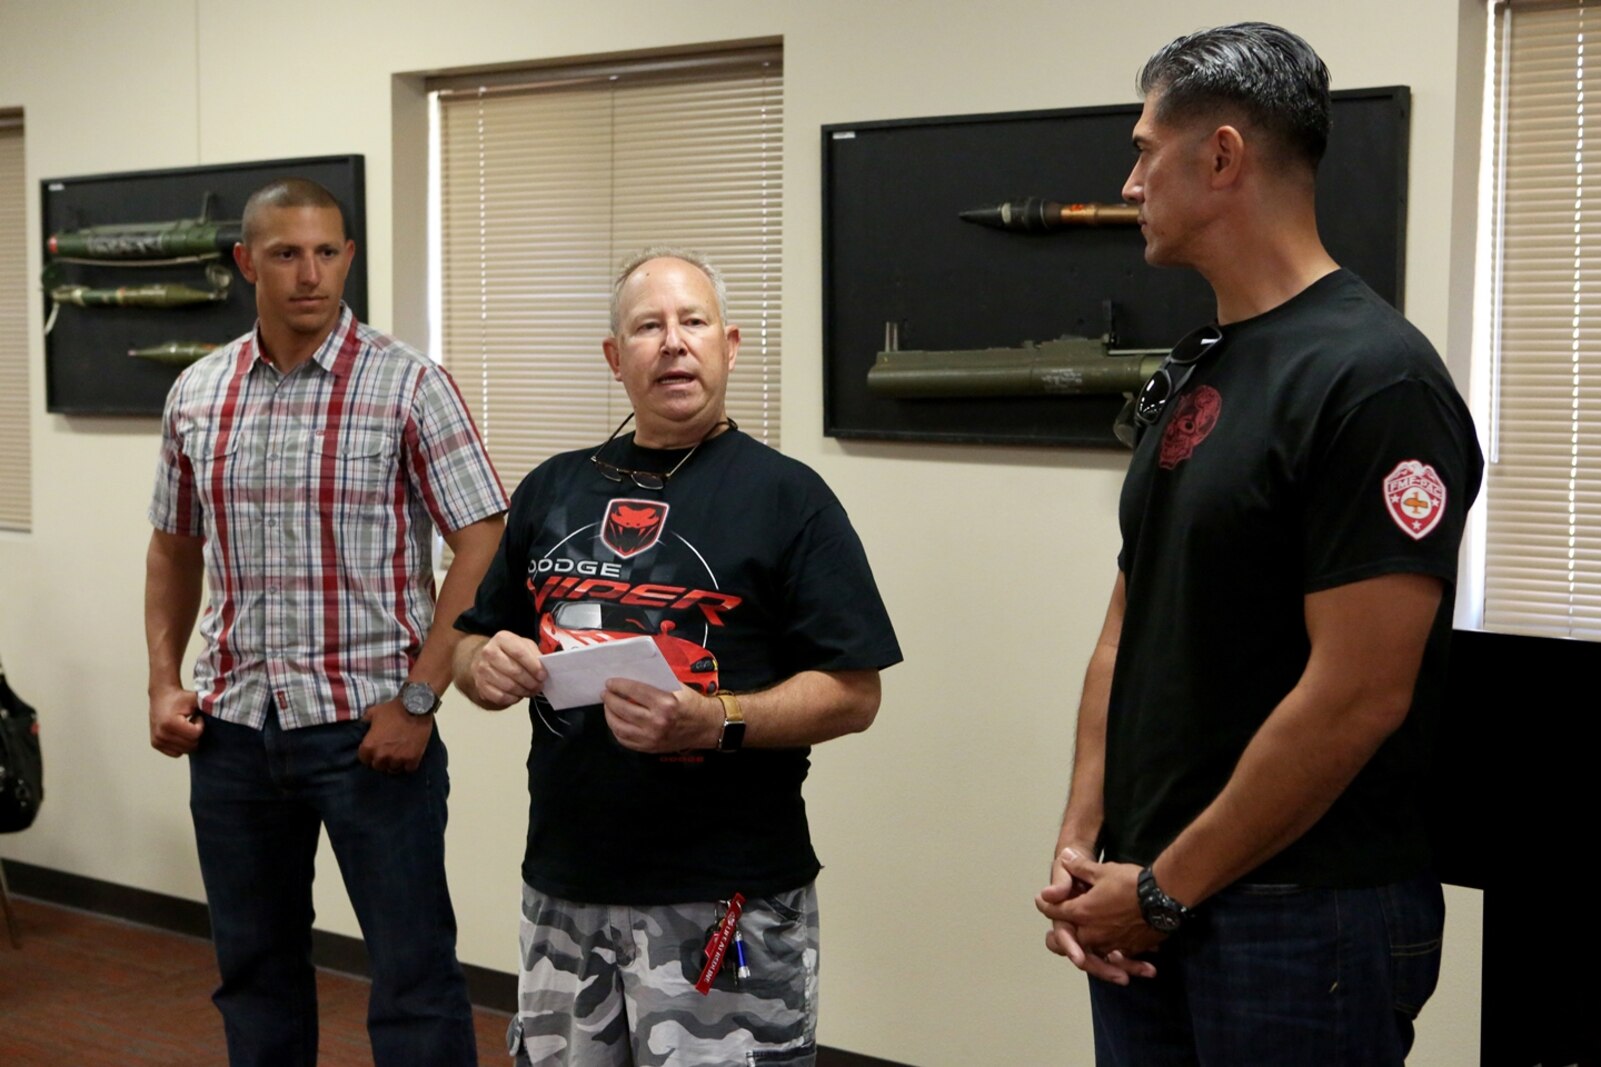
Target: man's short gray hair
point(644, 255)
point(1267, 72)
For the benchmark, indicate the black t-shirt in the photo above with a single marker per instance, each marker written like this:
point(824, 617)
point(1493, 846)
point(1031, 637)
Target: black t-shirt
point(746, 571)
point(1321, 443)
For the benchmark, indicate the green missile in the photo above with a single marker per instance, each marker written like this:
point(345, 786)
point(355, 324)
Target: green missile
point(1067, 366)
point(153, 295)
point(161, 295)
point(174, 353)
point(192, 238)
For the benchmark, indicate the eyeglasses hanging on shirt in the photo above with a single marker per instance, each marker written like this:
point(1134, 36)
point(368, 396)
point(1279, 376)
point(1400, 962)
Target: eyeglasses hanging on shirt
point(649, 479)
point(1145, 407)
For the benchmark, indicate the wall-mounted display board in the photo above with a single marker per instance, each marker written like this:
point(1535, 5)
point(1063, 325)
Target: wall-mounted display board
point(124, 273)
point(896, 252)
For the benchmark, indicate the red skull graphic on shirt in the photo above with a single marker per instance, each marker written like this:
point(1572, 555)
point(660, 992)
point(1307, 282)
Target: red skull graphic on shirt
point(1193, 419)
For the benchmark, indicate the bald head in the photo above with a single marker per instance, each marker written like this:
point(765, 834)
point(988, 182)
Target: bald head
point(282, 193)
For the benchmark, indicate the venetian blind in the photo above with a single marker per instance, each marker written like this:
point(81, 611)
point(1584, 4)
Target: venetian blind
point(544, 187)
point(16, 510)
point(1543, 493)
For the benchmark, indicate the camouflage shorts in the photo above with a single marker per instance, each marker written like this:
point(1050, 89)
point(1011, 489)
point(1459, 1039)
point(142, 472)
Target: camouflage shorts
point(614, 986)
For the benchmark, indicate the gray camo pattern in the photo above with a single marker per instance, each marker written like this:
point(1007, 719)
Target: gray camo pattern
point(588, 968)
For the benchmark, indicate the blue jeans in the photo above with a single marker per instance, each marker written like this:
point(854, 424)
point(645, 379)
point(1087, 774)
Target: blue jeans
point(1276, 975)
point(259, 800)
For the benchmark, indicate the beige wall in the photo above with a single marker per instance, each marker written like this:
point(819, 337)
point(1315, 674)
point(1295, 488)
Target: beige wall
point(936, 825)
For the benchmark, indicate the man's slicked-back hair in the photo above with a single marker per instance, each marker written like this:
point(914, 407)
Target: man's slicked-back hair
point(643, 256)
point(287, 192)
point(1263, 70)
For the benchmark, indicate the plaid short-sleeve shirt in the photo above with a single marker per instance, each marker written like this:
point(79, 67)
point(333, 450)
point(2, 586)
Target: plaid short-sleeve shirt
point(316, 492)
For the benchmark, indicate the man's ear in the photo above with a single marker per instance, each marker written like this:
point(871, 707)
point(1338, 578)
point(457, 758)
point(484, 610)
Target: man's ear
point(732, 334)
point(241, 259)
point(1227, 148)
point(613, 357)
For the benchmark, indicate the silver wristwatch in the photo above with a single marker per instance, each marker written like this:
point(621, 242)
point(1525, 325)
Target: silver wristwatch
point(419, 699)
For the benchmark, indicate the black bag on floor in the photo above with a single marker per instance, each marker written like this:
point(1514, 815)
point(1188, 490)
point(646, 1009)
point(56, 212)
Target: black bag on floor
point(21, 768)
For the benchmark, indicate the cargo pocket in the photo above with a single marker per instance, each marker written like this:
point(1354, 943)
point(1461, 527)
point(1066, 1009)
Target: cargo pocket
point(804, 1055)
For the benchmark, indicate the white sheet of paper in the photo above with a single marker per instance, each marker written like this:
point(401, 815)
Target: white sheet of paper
point(578, 676)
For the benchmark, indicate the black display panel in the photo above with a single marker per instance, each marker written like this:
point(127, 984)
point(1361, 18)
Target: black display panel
point(895, 251)
point(87, 366)
point(1512, 803)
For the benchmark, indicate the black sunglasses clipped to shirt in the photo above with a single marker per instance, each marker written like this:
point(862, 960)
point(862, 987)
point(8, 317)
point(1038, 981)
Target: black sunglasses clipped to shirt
point(1141, 413)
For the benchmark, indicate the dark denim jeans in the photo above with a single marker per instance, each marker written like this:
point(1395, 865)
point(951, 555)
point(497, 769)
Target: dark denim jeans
point(1274, 975)
point(259, 799)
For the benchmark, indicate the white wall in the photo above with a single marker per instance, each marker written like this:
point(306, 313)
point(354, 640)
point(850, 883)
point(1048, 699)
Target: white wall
point(937, 825)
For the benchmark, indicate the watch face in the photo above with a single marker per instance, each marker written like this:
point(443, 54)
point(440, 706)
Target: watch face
point(417, 698)
point(733, 737)
point(1161, 912)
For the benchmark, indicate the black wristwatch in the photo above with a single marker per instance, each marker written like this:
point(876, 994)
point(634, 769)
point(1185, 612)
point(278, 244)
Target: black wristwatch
point(418, 698)
point(1161, 911)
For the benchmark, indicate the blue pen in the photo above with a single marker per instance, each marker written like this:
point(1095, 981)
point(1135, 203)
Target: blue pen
point(743, 970)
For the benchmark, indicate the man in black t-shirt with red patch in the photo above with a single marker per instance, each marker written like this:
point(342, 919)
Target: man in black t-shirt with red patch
point(1256, 717)
point(668, 904)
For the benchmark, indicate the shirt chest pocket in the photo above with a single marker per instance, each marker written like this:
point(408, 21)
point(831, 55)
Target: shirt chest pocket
point(355, 466)
point(218, 466)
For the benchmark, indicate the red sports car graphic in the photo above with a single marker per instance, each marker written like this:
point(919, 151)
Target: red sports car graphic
point(576, 623)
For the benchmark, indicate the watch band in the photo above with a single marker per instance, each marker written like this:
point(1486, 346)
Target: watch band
point(1161, 912)
point(732, 736)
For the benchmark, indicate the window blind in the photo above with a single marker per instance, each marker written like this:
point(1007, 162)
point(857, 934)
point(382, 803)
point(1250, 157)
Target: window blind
point(16, 511)
point(544, 185)
point(1543, 491)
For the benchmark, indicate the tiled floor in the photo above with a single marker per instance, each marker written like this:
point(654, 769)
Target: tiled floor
point(90, 991)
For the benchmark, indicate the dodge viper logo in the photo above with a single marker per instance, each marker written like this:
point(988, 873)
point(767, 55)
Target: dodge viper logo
point(1415, 497)
point(632, 526)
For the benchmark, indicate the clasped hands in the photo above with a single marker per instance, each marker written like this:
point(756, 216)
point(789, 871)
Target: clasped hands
point(507, 669)
point(1095, 917)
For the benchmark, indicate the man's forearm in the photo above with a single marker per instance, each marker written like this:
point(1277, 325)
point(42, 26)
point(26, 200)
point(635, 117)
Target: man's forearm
point(1081, 822)
point(1367, 644)
point(809, 708)
point(1296, 766)
point(174, 574)
point(472, 548)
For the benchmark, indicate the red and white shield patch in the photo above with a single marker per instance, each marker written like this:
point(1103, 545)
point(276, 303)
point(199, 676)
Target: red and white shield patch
point(1415, 497)
point(632, 526)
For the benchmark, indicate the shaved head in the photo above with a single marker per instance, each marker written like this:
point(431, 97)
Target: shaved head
point(287, 192)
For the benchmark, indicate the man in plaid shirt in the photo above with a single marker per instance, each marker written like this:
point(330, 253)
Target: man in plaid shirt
point(303, 469)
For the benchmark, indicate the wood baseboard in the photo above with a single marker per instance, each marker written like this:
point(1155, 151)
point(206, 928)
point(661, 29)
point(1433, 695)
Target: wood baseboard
point(487, 988)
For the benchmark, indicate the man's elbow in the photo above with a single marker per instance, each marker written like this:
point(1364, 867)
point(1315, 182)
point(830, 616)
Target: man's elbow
point(1382, 712)
point(862, 707)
